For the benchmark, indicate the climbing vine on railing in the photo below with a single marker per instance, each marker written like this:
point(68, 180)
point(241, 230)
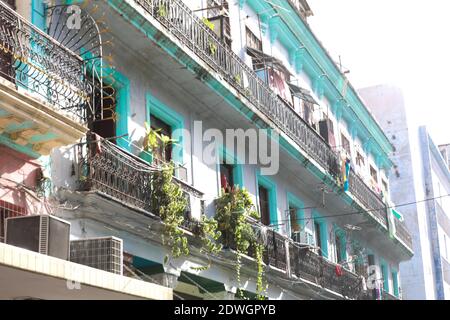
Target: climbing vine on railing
point(168, 200)
point(233, 210)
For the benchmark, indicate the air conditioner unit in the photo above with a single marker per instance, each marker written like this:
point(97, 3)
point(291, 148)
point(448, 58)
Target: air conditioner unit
point(303, 237)
point(40, 233)
point(101, 253)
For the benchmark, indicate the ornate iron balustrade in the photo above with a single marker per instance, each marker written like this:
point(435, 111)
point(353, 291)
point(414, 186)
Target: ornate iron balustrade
point(181, 22)
point(275, 253)
point(369, 199)
point(308, 265)
point(387, 296)
point(33, 60)
point(402, 232)
point(105, 167)
point(274, 245)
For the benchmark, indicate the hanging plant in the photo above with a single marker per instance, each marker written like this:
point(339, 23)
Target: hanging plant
point(237, 79)
point(233, 210)
point(261, 288)
point(168, 200)
point(212, 47)
point(153, 140)
point(162, 11)
point(209, 235)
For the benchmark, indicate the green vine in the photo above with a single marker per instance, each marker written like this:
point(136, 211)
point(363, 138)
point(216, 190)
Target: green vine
point(233, 210)
point(162, 11)
point(237, 79)
point(212, 47)
point(168, 200)
point(209, 234)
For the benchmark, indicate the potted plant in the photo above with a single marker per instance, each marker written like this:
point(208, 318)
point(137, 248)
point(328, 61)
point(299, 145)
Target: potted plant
point(152, 141)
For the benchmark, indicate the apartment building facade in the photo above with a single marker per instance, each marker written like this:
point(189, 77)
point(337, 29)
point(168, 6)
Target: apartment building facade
point(420, 180)
point(41, 102)
point(186, 68)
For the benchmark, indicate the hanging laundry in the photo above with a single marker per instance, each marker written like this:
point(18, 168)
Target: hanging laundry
point(345, 173)
point(339, 271)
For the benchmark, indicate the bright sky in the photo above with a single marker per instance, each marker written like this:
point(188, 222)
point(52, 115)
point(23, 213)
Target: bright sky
point(401, 42)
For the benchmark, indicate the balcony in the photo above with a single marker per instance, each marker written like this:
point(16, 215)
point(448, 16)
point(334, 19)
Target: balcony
point(107, 169)
point(302, 8)
point(388, 296)
point(367, 198)
point(308, 265)
point(178, 20)
point(181, 22)
point(42, 88)
point(402, 233)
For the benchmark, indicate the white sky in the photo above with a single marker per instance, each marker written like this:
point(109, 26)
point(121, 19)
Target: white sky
point(401, 42)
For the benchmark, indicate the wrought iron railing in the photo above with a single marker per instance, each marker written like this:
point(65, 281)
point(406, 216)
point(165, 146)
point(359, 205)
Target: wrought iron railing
point(35, 61)
point(185, 25)
point(105, 167)
point(308, 265)
point(369, 199)
point(402, 232)
point(181, 22)
point(387, 296)
point(275, 251)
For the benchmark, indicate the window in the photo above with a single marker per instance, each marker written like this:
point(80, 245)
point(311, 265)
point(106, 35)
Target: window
point(162, 154)
point(308, 109)
point(252, 40)
point(318, 236)
point(360, 267)
point(326, 130)
point(294, 219)
point(339, 241)
point(385, 187)
point(264, 205)
point(105, 117)
point(395, 283)
point(384, 276)
point(226, 177)
point(267, 199)
point(345, 144)
point(359, 160)
point(374, 174)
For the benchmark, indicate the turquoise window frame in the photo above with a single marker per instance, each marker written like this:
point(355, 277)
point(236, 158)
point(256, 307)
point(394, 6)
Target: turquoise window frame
point(271, 186)
point(395, 283)
point(121, 85)
point(343, 242)
point(38, 15)
point(317, 218)
point(299, 205)
point(385, 275)
point(175, 120)
point(229, 158)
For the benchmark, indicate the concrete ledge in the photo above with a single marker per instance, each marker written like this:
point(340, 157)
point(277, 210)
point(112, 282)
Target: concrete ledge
point(25, 273)
point(27, 107)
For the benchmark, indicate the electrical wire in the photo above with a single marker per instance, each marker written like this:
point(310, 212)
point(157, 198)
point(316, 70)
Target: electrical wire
point(133, 269)
point(358, 212)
